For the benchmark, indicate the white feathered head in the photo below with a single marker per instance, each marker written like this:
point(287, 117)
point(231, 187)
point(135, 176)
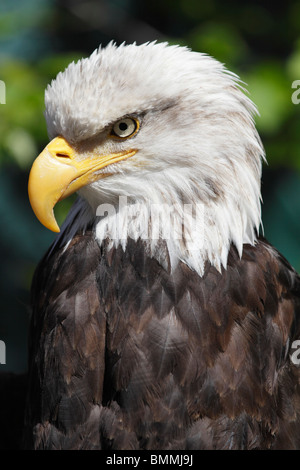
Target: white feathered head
point(158, 124)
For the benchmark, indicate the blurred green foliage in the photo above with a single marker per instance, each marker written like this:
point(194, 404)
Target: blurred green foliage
point(259, 42)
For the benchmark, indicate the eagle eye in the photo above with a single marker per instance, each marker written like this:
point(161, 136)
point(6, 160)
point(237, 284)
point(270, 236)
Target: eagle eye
point(125, 128)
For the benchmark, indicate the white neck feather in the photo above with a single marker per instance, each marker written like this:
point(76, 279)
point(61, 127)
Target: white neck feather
point(195, 231)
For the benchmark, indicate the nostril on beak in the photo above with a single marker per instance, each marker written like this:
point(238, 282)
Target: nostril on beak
point(62, 155)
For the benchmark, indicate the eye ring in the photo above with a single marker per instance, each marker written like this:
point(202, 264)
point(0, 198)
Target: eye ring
point(125, 128)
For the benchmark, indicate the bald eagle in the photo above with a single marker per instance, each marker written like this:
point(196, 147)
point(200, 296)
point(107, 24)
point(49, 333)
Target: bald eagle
point(160, 318)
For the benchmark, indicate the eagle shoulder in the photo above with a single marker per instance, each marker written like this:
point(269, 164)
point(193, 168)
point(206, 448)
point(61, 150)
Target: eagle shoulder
point(66, 348)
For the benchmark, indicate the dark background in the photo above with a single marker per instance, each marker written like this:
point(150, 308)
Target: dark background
point(260, 41)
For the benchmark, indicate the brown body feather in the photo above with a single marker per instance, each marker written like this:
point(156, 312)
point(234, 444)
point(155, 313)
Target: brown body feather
point(127, 355)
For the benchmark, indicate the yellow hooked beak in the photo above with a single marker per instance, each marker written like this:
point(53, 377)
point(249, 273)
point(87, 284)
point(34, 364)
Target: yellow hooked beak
point(58, 172)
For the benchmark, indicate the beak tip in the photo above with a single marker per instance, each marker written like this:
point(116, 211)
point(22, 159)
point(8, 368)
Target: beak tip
point(51, 225)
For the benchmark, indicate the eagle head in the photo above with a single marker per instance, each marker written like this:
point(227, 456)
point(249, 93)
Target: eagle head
point(159, 125)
